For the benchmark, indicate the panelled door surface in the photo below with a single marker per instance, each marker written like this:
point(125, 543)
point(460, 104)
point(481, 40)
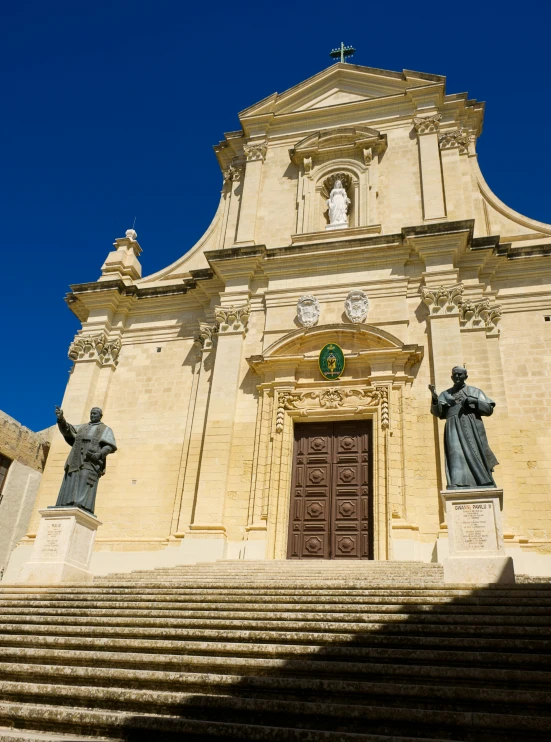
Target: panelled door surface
point(331, 496)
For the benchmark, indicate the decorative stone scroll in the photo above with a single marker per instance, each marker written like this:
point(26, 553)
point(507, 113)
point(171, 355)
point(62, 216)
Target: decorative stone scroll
point(457, 138)
point(427, 124)
point(356, 306)
point(308, 310)
point(354, 400)
point(254, 152)
point(232, 318)
point(444, 299)
point(480, 314)
point(95, 348)
point(206, 335)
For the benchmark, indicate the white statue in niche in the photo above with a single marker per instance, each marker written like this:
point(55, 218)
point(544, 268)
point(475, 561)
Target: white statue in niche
point(308, 310)
point(337, 204)
point(356, 306)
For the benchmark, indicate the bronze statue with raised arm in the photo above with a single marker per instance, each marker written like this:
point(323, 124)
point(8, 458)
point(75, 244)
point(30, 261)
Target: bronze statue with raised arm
point(90, 443)
point(469, 460)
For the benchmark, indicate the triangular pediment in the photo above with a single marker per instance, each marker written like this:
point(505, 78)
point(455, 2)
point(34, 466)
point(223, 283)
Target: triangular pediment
point(339, 85)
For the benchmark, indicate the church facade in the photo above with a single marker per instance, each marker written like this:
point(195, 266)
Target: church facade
point(269, 390)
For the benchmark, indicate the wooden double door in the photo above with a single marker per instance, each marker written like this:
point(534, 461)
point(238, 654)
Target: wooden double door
point(331, 495)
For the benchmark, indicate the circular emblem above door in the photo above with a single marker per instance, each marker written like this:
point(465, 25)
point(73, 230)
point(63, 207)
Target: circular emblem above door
point(331, 361)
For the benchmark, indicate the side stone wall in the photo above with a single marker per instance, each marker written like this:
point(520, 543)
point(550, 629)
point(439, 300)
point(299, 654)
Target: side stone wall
point(28, 452)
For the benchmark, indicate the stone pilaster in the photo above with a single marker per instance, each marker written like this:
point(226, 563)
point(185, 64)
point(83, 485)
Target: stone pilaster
point(233, 188)
point(255, 152)
point(432, 185)
point(207, 521)
point(205, 344)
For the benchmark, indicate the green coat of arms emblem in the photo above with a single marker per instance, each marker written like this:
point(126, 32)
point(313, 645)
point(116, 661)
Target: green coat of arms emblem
point(331, 361)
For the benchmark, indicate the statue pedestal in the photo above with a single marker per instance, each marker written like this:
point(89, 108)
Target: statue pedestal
point(475, 533)
point(332, 227)
point(63, 547)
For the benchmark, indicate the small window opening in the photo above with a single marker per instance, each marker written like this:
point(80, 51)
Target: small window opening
point(159, 350)
point(547, 317)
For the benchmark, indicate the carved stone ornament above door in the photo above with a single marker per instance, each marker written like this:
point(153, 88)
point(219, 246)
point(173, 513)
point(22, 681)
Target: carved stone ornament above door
point(356, 306)
point(308, 310)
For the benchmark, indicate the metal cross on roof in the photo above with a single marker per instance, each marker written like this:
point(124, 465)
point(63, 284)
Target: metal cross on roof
point(342, 52)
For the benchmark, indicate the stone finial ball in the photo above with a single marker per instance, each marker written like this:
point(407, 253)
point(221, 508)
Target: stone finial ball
point(131, 234)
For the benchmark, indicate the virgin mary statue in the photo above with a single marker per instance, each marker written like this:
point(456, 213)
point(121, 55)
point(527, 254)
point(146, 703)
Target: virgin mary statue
point(338, 205)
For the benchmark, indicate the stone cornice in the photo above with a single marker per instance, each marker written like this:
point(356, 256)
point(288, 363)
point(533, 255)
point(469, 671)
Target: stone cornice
point(105, 291)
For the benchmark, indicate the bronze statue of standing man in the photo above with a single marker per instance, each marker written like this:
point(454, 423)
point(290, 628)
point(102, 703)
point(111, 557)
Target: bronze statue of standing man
point(90, 443)
point(469, 459)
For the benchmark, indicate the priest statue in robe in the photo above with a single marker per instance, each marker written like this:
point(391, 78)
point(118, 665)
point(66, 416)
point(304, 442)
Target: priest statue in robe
point(90, 443)
point(469, 459)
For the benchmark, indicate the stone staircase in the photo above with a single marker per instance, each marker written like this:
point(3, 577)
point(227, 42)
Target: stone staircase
point(280, 651)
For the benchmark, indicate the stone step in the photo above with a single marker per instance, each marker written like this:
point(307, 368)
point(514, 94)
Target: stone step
point(388, 624)
point(272, 617)
point(432, 694)
point(251, 588)
point(526, 677)
point(201, 637)
point(123, 607)
point(141, 726)
point(176, 598)
point(20, 735)
point(432, 656)
point(343, 718)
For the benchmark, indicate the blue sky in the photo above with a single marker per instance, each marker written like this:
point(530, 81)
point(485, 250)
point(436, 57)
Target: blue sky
point(110, 111)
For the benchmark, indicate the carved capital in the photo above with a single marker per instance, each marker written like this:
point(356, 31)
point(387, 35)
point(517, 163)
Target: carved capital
point(459, 138)
point(233, 319)
point(480, 314)
point(351, 399)
point(254, 152)
point(206, 335)
point(427, 124)
point(232, 173)
point(95, 348)
point(444, 299)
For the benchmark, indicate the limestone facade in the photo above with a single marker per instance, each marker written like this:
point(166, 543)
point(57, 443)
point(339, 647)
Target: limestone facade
point(23, 455)
point(203, 368)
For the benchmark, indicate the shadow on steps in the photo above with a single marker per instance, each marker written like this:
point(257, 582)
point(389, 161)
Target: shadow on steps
point(278, 657)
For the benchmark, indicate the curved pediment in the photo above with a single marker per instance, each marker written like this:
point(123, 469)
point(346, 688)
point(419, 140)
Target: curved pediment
point(340, 140)
point(368, 351)
point(351, 338)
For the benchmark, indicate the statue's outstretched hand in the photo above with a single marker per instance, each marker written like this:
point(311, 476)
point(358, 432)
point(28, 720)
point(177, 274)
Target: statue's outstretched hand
point(59, 413)
point(432, 389)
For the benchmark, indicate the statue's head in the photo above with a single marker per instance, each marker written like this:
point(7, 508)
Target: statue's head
point(338, 184)
point(95, 414)
point(459, 374)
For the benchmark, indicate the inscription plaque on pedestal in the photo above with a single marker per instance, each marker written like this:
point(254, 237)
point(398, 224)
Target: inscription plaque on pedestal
point(475, 537)
point(474, 526)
